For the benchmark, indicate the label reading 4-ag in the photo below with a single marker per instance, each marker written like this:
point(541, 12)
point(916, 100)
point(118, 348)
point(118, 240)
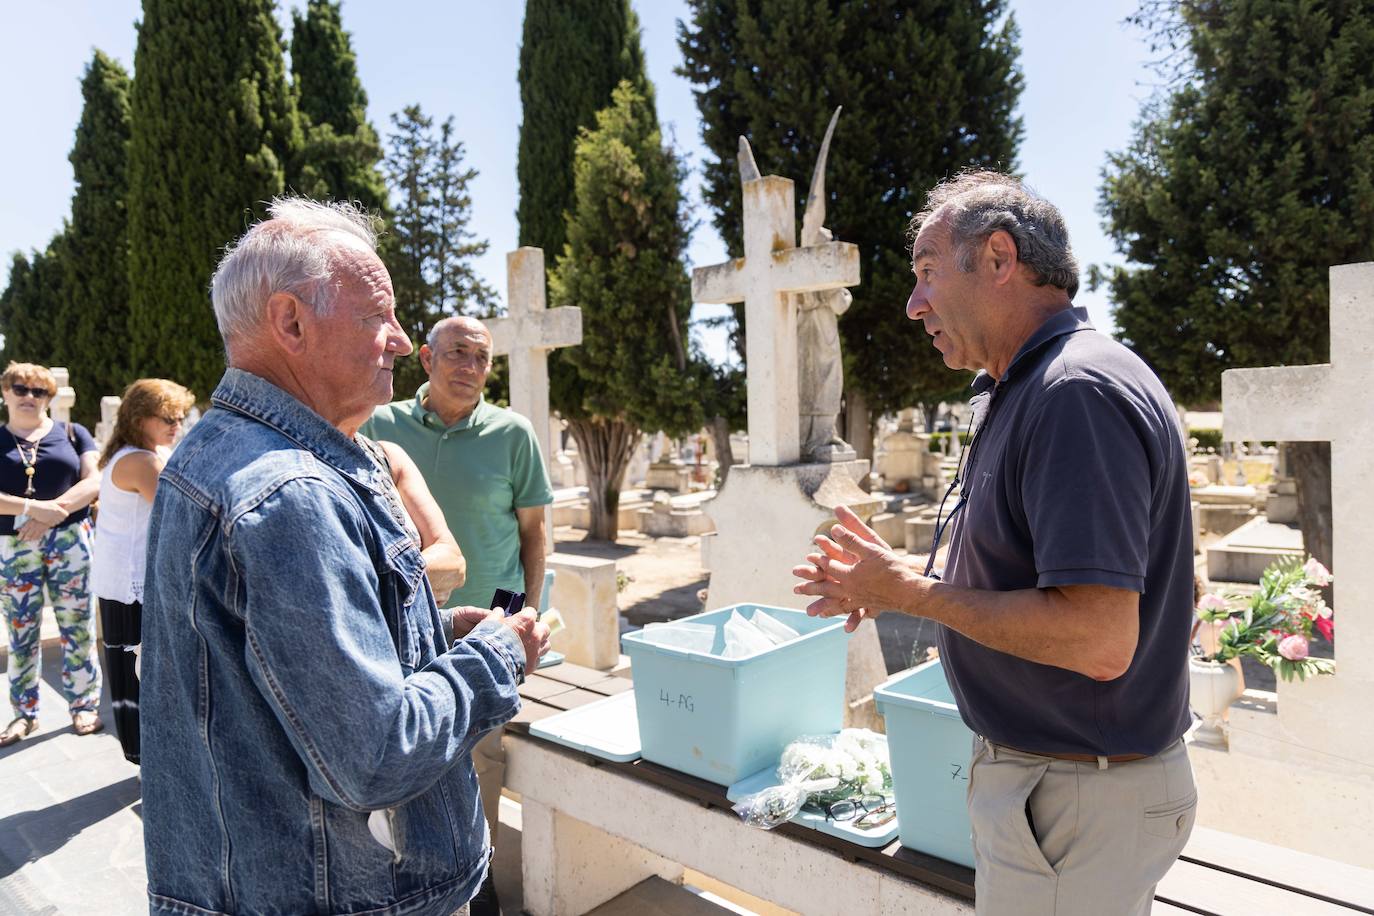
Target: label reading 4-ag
point(681, 701)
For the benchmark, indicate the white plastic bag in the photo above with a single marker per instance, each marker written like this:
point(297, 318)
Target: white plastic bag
point(695, 637)
point(773, 628)
point(743, 638)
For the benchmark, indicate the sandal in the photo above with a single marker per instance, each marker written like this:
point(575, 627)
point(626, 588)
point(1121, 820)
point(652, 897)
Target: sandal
point(86, 722)
point(18, 730)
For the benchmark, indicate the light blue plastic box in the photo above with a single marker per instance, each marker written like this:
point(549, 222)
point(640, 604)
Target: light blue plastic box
point(721, 719)
point(930, 747)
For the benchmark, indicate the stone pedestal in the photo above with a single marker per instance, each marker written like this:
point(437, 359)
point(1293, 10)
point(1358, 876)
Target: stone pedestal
point(673, 476)
point(677, 520)
point(1281, 507)
point(765, 518)
point(584, 591)
point(906, 461)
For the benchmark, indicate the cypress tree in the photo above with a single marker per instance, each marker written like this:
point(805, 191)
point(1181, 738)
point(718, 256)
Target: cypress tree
point(573, 54)
point(1243, 184)
point(213, 127)
point(30, 306)
point(928, 87)
point(342, 154)
point(623, 266)
point(96, 300)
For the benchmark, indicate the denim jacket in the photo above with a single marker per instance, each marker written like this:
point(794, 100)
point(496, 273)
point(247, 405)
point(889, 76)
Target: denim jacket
point(296, 678)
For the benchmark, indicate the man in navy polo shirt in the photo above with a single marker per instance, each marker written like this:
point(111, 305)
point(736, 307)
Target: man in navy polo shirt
point(1065, 598)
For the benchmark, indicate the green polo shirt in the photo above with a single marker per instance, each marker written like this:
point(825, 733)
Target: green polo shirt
point(480, 470)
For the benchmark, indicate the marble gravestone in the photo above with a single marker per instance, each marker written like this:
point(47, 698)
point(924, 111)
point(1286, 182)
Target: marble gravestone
point(769, 509)
point(1328, 403)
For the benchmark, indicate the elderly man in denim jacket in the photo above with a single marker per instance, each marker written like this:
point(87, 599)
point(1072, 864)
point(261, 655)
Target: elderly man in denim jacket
point(307, 732)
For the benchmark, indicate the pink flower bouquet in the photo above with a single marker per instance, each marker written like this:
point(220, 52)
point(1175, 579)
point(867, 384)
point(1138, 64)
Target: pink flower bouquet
point(1277, 624)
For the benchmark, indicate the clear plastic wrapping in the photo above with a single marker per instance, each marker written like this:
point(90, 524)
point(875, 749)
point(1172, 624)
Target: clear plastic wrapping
point(822, 769)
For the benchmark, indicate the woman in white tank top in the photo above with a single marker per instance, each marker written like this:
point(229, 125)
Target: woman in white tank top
point(147, 424)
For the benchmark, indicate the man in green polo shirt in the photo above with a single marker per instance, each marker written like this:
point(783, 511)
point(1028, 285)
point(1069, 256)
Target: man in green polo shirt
point(484, 467)
point(481, 462)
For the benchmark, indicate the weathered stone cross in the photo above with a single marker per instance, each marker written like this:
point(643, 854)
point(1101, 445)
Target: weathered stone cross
point(1330, 402)
point(771, 269)
point(527, 334)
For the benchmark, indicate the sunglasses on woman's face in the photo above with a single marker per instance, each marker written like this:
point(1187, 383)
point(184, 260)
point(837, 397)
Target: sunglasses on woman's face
point(25, 391)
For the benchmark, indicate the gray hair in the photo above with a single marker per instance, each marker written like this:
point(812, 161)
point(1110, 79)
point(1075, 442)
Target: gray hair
point(979, 203)
point(293, 251)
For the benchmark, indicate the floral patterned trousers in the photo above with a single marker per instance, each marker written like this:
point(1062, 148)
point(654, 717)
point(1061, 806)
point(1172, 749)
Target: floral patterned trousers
point(61, 561)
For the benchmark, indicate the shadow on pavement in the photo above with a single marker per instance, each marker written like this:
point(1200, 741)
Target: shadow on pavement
point(48, 829)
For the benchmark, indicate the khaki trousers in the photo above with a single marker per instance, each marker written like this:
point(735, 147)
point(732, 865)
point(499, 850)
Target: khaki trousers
point(1060, 838)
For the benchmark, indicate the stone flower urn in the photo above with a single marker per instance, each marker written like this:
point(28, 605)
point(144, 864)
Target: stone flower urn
point(1213, 687)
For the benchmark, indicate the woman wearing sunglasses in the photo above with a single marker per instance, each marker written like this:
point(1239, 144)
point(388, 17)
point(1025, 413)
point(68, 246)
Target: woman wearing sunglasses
point(149, 418)
point(47, 479)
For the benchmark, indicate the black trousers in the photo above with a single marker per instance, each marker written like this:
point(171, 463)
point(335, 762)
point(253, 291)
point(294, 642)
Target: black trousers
point(122, 625)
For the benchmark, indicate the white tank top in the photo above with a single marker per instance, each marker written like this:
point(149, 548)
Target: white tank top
point(121, 538)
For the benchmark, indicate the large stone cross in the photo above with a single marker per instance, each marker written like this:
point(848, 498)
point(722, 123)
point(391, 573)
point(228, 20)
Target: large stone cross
point(1330, 402)
point(527, 334)
point(773, 268)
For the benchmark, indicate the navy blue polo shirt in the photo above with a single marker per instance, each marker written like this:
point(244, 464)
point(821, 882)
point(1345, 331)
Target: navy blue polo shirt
point(1077, 475)
point(56, 471)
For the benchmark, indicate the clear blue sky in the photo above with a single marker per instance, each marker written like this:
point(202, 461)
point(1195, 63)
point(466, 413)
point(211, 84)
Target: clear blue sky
point(1084, 74)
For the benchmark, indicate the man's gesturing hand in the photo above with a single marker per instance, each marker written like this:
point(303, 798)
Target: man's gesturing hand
point(855, 572)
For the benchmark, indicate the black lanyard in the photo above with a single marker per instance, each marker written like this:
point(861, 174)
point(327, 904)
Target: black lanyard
point(965, 463)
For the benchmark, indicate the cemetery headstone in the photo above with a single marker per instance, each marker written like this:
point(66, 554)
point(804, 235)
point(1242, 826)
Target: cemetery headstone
point(1323, 403)
point(769, 509)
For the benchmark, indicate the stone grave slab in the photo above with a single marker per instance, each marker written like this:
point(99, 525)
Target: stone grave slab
point(1244, 554)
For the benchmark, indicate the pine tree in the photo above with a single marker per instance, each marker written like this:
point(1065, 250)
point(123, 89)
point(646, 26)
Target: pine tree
point(1241, 187)
point(213, 128)
point(458, 290)
point(95, 304)
point(430, 248)
point(623, 266)
point(927, 87)
point(342, 154)
point(572, 56)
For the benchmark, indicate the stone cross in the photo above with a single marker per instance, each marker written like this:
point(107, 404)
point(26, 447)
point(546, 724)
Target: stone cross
point(1328, 402)
point(109, 413)
point(773, 268)
point(60, 407)
point(527, 334)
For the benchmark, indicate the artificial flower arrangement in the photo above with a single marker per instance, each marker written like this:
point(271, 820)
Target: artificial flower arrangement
point(1277, 624)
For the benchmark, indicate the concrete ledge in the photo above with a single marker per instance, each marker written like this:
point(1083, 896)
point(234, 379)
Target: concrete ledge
point(768, 864)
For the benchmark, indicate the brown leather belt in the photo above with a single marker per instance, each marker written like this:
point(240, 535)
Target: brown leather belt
point(1080, 758)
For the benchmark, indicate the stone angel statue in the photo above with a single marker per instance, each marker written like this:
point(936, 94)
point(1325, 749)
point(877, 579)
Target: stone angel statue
point(820, 372)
